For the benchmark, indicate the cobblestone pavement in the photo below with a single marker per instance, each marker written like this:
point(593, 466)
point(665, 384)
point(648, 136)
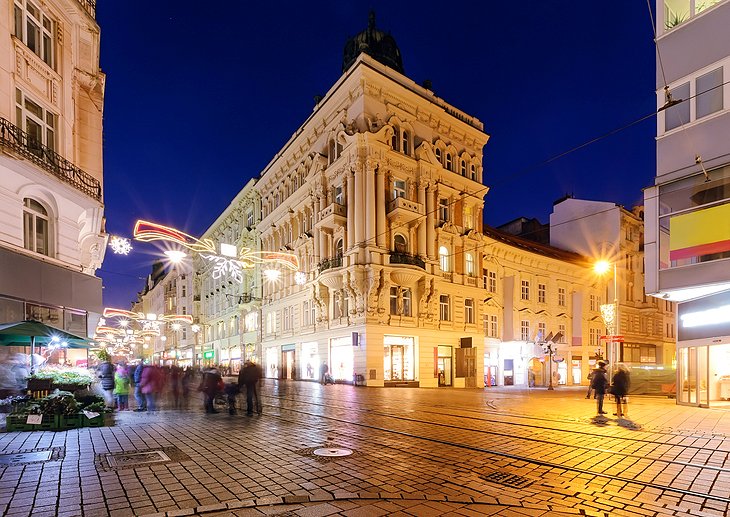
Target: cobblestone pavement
point(414, 452)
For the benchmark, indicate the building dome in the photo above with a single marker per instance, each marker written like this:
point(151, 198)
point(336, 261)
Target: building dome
point(376, 44)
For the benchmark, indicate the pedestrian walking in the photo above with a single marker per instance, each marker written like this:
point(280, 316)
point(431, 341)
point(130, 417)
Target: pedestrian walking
point(151, 385)
point(599, 383)
point(250, 377)
point(138, 395)
point(187, 380)
point(211, 384)
point(121, 387)
point(323, 371)
point(620, 388)
point(590, 384)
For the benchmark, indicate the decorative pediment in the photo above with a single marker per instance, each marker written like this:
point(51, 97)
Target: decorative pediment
point(448, 227)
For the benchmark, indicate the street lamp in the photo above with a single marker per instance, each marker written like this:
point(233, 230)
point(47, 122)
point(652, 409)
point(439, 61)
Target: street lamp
point(610, 312)
point(550, 347)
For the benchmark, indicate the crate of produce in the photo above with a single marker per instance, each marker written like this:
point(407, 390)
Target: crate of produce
point(19, 423)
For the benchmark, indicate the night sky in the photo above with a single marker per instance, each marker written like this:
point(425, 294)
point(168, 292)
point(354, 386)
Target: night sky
point(199, 98)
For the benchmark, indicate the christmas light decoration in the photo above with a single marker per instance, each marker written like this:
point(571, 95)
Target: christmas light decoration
point(225, 261)
point(120, 245)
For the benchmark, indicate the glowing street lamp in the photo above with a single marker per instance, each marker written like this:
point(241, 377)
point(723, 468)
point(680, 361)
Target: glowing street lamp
point(610, 312)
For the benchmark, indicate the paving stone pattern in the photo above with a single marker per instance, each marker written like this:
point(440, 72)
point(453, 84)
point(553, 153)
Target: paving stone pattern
point(416, 452)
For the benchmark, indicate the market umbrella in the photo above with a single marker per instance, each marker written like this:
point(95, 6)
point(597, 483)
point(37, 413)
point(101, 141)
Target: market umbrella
point(31, 332)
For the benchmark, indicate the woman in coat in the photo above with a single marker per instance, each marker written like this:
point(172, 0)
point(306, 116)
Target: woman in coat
point(620, 389)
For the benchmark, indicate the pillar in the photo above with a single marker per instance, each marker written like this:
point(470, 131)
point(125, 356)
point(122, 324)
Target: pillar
point(380, 200)
point(421, 236)
point(430, 222)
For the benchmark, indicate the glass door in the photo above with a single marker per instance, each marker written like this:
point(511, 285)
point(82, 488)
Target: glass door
point(394, 362)
point(687, 373)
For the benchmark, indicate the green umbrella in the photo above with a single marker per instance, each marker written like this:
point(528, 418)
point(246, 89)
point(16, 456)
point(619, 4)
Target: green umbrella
point(31, 332)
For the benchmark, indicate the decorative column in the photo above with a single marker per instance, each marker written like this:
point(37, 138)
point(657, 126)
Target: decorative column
point(370, 170)
point(380, 200)
point(430, 222)
point(422, 220)
point(349, 181)
point(360, 211)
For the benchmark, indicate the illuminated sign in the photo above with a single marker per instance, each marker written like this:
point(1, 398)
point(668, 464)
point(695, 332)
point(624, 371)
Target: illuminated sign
point(209, 354)
point(707, 317)
point(704, 318)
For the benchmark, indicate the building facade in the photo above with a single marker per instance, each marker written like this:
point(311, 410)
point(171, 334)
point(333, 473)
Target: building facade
point(227, 307)
point(687, 209)
point(603, 231)
point(52, 237)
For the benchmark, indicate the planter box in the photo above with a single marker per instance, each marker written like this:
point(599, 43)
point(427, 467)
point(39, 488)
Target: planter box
point(70, 387)
point(65, 422)
point(18, 423)
point(103, 420)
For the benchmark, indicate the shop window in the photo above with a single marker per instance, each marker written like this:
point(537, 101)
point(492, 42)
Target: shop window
point(36, 227)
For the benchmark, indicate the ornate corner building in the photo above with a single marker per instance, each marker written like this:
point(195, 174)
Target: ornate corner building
point(52, 236)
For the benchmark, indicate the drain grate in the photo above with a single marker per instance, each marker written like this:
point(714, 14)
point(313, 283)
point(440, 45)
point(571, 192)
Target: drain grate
point(507, 479)
point(327, 453)
point(136, 459)
point(23, 457)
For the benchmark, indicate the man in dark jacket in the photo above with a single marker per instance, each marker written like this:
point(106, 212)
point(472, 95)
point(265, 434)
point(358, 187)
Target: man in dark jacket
point(621, 384)
point(599, 383)
point(250, 377)
point(137, 379)
point(106, 374)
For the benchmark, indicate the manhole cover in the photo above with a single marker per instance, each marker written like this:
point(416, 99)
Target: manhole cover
point(136, 459)
point(331, 452)
point(24, 457)
point(506, 479)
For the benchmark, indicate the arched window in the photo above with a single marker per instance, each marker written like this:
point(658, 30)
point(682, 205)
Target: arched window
point(339, 250)
point(394, 139)
point(444, 258)
point(437, 151)
point(463, 168)
point(473, 172)
point(36, 227)
point(469, 264)
point(404, 143)
point(448, 161)
point(400, 244)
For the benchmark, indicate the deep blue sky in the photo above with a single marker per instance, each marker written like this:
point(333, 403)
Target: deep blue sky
point(199, 97)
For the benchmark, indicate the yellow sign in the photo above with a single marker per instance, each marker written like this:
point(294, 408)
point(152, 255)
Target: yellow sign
point(700, 233)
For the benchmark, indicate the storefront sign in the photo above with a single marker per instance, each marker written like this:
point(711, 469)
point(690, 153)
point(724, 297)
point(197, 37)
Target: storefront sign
point(704, 318)
point(209, 354)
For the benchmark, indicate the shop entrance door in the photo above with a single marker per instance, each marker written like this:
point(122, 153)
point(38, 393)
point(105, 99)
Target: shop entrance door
point(509, 373)
point(692, 382)
point(444, 369)
point(397, 354)
point(287, 365)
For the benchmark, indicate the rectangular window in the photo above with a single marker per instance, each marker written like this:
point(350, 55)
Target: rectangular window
point(339, 196)
point(394, 300)
point(468, 218)
point(563, 337)
point(541, 331)
point(492, 282)
point(469, 264)
point(593, 302)
point(561, 296)
point(305, 314)
point(444, 306)
point(35, 29)
point(39, 123)
point(443, 210)
point(469, 311)
point(525, 330)
point(525, 290)
point(406, 293)
point(249, 219)
point(493, 326)
point(678, 114)
point(709, 93)
point(399, 189)
point(541, 293)
point(286, 318)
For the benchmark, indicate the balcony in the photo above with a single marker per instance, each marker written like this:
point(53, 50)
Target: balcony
point(21, 143)
point(329, 263)
point(404, 211)
point(89, 6)
point(332, 216)
point(407, 258)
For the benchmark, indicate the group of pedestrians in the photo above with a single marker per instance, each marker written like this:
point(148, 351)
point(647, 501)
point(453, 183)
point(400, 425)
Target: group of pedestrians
point(249, 379)
point(619, 387)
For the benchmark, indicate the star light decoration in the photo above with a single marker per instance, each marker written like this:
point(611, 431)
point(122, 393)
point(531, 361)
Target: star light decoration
point(120, 245)
point(227, 261)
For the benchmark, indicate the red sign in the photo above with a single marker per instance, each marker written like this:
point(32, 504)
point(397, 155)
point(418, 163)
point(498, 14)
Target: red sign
point(612, 339)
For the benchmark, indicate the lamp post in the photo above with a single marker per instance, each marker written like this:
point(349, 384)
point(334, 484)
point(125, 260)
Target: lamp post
point(549, 348)
point(612, 321)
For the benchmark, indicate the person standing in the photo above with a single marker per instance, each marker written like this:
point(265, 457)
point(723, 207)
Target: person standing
point(590, 384)
point(150, 386)
point(323, 371)
point(621, 384)
point(250, 377)
point(106, 374)
point(599, 383)
point(138, 395)
point(121, 387)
